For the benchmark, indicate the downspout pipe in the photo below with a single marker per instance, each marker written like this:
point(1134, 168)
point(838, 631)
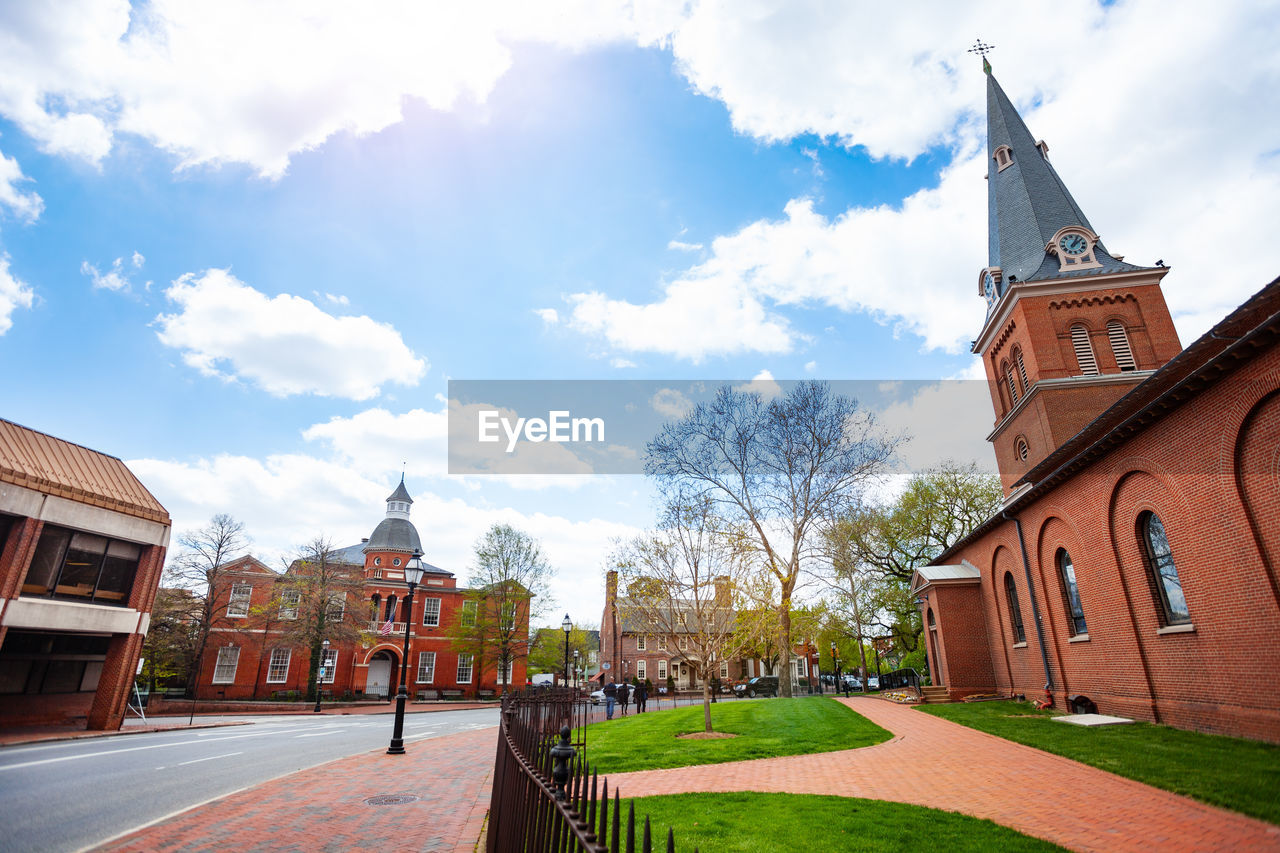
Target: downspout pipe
point(1035, 607)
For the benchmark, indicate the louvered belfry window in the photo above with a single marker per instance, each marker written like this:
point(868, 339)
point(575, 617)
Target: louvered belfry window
point(1013, 386)
point(1120, 345)
point(1022, 370)
point(1084, 350)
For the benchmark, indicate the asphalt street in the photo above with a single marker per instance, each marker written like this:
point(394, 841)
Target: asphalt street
point(68, 795)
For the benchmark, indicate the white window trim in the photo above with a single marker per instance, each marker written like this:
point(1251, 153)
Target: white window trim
point(641, 643)
point(337, 608)
point(642, 669)
point(329, 665)
point(290, 602)
point(272, 666)
point(470, 664)
point(426, 667)
point(426, 612)
point(662, 670)
point(470, 613)
point(234, 663)
point(246, 596)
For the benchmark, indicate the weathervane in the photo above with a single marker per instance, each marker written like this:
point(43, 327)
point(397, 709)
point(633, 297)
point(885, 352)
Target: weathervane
point(982, 50)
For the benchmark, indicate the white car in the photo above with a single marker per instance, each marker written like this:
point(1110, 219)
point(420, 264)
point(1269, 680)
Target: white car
point(597, 696)
point(873, 682)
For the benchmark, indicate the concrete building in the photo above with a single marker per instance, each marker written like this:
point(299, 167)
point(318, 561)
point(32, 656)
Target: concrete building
point(253, 651)
point(1135, 560)
point(82, 543)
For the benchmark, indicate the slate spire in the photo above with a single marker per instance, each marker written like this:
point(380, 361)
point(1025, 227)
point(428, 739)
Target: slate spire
point(1027, 202)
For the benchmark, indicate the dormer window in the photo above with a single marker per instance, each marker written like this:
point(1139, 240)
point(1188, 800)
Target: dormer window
point(1074, 247)
point(1043, 148)
point(1003, 155)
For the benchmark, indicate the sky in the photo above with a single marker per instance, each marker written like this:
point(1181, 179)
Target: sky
point(244, 247)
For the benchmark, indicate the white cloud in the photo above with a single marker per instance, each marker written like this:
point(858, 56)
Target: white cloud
point(138, 260)
point(116, 278)
point(14, 294)
point(810, 366)
point(283, 344)
point(946, 420)
point(683, 246)
point(336, 300)
point(763, 384)
point(670, 402)
point(382, 443)
point(548, 315)
point(24, 205)
point(621, 363)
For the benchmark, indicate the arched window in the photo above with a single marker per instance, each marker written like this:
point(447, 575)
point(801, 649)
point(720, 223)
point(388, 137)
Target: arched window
point(1120, 346)
point(1022, 370)
point(1084, 350)
point(1071, 594)
point(1172, 604)
point(373, 606)
point(1013, 385)
point(391, 609)
point(1003, 155)
point(1015, 612)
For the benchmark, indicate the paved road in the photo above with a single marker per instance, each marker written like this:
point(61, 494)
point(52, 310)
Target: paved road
point(68, 795)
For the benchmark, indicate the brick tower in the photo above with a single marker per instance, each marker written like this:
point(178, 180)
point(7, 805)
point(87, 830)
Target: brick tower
point(1070, 327)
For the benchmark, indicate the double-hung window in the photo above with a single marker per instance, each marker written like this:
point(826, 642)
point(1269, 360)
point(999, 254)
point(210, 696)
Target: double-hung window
point(329, 662)
point(289, 601)
point(426, 667)
point(431, 612)
point(470, 608)
point(278, 668)
point(238, 604)
point(224, 671)
point(464, 669)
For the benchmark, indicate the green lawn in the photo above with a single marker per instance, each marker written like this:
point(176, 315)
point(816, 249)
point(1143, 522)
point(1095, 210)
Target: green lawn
point(1237, 774)
point(765, 727)
point(765, 823)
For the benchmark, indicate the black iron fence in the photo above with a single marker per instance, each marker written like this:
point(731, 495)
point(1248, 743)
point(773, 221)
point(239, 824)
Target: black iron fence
point(901, 678)
point(546, 796)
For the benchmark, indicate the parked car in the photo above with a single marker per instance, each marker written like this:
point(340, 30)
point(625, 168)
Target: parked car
point(852, 682)
point(761, 685)
point(597, 696)
point(873, 682)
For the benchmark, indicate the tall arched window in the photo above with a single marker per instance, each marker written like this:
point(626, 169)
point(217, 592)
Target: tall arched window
point(1015, 612)
point(391, 609)
point(1013, 385)
point(1022, 370)
point(373, 607)
point(1120, 346)
point(1084, 350)
point(1071, 594)
point(1171, 603)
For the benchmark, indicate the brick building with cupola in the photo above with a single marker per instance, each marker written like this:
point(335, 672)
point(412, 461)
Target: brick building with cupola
point(253, 653)
point(1134, 564)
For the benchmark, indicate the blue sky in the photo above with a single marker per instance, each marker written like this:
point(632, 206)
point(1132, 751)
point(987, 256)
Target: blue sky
point(245, 250)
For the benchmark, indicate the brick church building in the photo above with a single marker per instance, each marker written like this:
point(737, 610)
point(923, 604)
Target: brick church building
point(1135, 560)
point(253, 651)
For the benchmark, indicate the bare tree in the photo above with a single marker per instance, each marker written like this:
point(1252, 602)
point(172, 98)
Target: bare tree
point(509, 588)
point(781, 468)
point(685, 583)
point(198, 567)
point(321, 599)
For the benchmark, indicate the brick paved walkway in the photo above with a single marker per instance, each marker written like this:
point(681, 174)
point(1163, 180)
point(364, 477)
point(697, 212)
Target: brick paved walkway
point(323, 808)
point(968, 771)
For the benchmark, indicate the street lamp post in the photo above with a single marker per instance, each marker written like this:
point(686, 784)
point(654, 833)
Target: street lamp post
point(835, 684)
point(413, 573)
point(567, 627)
point(324, 647)
point(576, 668)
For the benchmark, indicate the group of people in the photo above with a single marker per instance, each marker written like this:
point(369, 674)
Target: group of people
point(622, 694)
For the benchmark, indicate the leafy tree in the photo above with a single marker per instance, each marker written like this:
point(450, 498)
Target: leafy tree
point(328, 595)
point(685, 583)
point(199, 567)
point(874, 550)
point(170, 647)
point(508, 588)
point(781, 469)
point(546, 648)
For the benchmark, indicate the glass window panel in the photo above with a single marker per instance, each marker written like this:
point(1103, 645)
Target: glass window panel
point(289, 601)
point(224, 671)
point(1173, 601)
point(278, 668)
point(464, 669)
point(1015, 611)
point(329, 662)
point(1071, 592)
point(238, 604)
point(469, 609)
point(80, 568)
point(48, 559)
point(431, 611)
point(426, 667)
point(118, 571)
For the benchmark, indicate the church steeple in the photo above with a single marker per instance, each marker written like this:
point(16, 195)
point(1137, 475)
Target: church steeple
point(1070, 327)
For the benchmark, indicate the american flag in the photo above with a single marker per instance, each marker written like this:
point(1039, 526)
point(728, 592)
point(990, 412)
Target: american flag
point(385, 630)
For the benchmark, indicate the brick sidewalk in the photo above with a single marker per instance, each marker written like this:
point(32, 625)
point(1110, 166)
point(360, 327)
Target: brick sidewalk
point(323, 808)
point(936, 763)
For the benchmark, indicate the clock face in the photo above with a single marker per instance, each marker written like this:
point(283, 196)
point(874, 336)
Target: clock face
point(1073, 244)
point(989, 288)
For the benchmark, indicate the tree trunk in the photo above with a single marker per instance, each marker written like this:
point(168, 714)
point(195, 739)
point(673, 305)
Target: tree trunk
point(706, 705)
point(784, 659)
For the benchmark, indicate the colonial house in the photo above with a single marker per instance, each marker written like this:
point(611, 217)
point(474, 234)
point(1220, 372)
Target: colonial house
point(82, 543)
point(667, 651)
point(254, 649)
point(1133, 566)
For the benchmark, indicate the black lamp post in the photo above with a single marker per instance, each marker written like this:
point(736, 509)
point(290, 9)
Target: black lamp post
point(324, 647)
point(576, 668)
point(413, 573)
point(567, 627)
point(834, 668)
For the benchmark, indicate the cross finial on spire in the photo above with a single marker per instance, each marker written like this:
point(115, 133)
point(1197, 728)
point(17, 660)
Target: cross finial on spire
point(982, 50)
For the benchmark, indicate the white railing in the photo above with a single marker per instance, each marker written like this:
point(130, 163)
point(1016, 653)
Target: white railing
point(397, 628)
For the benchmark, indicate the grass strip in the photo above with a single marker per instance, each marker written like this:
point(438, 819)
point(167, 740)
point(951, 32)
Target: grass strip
point(745, 822)
point(1237, 774)
point(764, 728)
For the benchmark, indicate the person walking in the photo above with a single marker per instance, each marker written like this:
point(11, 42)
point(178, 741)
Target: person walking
point(610, 697)
point(624, 696)
point(642, 695)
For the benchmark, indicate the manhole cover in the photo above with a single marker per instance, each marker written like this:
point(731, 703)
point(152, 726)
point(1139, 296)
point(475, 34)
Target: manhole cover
point(391, 799)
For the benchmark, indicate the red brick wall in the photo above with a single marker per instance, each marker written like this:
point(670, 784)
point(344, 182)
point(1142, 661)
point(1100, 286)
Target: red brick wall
point(1209, 470)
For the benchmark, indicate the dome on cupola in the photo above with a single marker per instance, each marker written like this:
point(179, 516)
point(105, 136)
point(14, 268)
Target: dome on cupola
point(395, 532)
